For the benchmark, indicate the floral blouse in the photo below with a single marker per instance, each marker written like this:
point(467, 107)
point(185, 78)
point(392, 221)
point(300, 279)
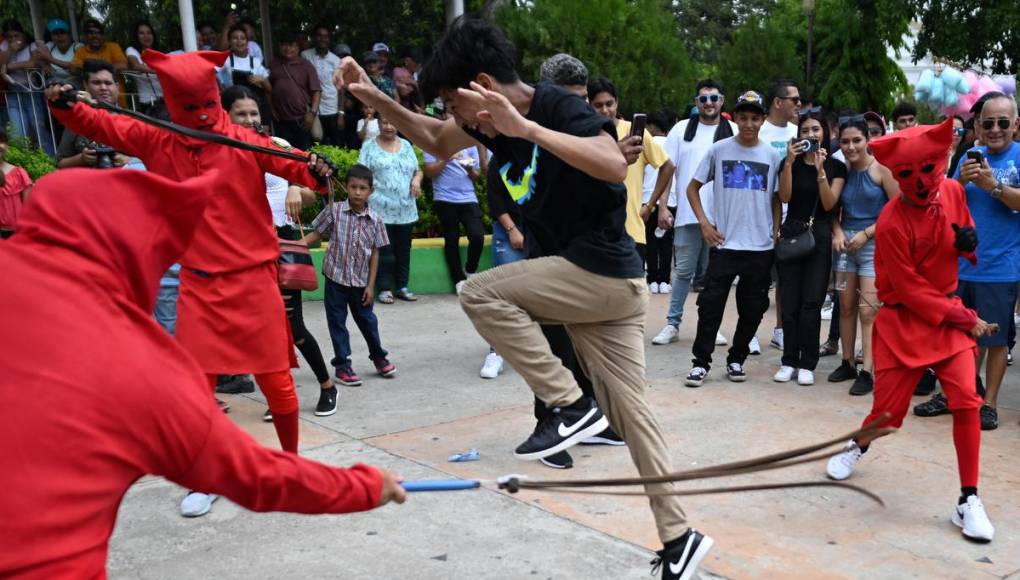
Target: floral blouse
point(391, 177)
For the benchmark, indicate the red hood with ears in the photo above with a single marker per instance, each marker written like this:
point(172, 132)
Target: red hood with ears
point(918, 158)
point(117, 228)
point(189, 86)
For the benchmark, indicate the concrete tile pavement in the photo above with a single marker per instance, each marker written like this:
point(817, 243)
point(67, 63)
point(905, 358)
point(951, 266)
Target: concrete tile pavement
point(437, 406)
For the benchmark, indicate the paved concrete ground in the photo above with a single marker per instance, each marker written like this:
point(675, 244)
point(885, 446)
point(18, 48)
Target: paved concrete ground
point(438, 406)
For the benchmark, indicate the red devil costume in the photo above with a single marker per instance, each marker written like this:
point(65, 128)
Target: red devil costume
point(231, 317)
point(918, 240)
point(96, 394)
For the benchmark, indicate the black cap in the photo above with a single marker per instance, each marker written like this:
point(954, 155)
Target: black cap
point(750, 101)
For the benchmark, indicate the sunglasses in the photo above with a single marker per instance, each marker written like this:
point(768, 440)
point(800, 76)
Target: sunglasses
point(794, 99)
point(844, 121)
point(709, 98)
point(809, 112)
point(876, 132)
point(959, 132)
point(1003, 124)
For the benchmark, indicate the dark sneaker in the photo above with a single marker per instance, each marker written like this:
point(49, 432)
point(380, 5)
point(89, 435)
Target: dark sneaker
point(563, 428)
point(347, 377)
point(844, 372)
point(267, 416)
point(607, 437)
point(863, 384)
point(327, 402)
point(830, 348)
point(696, 377)
point(933, 407)
point(735, 372)
point(561, 460)
point(681, 561)
point(384, 367)
point(235, 384)
point(989, 418)
point(926, 385)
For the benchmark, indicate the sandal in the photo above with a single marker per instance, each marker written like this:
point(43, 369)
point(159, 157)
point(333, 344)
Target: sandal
point(407, 295)
point(829, 348)
point(386, 297)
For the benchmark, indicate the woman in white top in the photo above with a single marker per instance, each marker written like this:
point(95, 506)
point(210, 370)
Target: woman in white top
point(146, 83)
point(368, 126)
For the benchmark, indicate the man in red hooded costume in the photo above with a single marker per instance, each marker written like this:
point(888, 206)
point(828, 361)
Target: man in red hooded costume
point(231, 317)
point(918, 240)
point(116, 397)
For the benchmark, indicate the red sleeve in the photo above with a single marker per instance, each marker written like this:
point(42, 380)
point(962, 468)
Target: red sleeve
point(289, 169)
point(232, 464)
point(123, 133)
point(913, 291)
point(961, 317)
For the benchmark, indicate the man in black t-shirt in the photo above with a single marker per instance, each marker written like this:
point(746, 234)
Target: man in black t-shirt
point(562, 166)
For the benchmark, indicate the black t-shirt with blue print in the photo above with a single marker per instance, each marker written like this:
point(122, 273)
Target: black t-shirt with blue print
point(566, 212)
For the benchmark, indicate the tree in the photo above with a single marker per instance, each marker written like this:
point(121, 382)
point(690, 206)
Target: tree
point(706, 26)
point(983, 33)
point(634, 43)
point(759, 52)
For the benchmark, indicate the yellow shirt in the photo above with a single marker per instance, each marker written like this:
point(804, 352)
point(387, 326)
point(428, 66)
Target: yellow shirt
point(651, 155)
point(111, 53)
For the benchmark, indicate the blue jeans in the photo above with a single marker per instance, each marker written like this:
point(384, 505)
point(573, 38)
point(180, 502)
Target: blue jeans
point(338, 300)
point(27, 113)
point(689, 249)
point(502, 251)
point(166, 307)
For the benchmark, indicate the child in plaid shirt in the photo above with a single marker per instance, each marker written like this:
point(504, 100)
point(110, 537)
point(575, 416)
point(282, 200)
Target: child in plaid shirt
point(350, 266)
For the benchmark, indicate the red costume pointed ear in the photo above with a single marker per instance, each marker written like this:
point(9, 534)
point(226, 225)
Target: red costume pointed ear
point(215, 57)
point(151, 56)
point(917, 157)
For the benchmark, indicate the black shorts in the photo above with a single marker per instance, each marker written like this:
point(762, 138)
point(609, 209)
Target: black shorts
point(994, 302)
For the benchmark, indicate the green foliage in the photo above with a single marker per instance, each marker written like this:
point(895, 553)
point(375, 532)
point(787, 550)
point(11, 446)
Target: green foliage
point(34, 161)
point(982, 33)
point(706, 26)
point(633, 43)
point(760, 52)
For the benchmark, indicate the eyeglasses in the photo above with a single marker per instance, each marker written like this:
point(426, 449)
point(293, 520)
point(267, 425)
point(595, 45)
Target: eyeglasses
point(1003, 124)
point(876, 132)
point(809, 112)
point(709, 98)
point(844, 121)
point(795, 99)
point(959, 132)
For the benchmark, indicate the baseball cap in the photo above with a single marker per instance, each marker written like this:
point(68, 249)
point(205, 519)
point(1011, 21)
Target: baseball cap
point(380, 47)
point(980, 104)
point(57, 24)
point(873, 116)
point(750, 100)
point(342, 50)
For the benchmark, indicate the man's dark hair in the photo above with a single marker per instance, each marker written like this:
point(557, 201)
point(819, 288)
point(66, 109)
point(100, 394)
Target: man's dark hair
point(236, 93)
point(601, 85)
point(12, 25)
point(249, 21)
point(779, 88)
point(903, 108)
point(470, 47)
point(202, 24)
point(95, 65)
point(322, 26)
point(236, 28)
point(359, 171)
point(707, 84)
point(288, 36)
point(92, 23)
point(660, 120)
point(411, 52)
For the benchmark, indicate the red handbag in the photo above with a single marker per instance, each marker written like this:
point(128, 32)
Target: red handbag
point(296, 269)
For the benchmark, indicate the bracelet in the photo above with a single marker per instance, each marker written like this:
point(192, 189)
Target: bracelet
point(511, 228)
point(822, 177)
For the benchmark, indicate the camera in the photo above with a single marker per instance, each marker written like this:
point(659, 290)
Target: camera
point(809, 145)
point(104, 155)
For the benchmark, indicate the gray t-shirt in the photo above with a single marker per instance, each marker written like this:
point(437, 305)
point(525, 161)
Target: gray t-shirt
point(743, 183)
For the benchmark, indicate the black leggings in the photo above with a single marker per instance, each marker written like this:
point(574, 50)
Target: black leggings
point(659, 251)
point(451, 217)
point(303, 339)
point(395, 258)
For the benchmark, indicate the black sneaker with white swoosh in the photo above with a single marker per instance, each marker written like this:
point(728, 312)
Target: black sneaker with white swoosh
point(563, 428)
point(681, 560)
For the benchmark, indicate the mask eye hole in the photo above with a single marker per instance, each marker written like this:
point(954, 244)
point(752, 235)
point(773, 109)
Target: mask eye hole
point(190, 108)
point(905, 173)
point(928, 168)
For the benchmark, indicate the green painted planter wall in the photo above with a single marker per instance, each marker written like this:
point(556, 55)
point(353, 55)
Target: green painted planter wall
point(429, 274)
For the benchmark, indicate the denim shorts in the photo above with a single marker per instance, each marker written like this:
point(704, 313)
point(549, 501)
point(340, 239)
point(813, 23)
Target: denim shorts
point(993, 302)
point(861, 262)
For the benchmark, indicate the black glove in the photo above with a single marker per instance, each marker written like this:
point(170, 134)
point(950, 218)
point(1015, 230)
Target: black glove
point(67, 98)
point(966, 238)
point(333, 167)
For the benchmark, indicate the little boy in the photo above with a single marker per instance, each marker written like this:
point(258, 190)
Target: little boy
point(350, 266)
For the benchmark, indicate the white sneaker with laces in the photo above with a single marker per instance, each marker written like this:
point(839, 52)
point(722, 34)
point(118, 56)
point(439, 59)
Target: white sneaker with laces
point(668, 334)
point(492, 366)
point(805, 377)
point(696, 377)
point(720, 340)
point(754, 347)
point(665, 288)
point(784, 374)
point(971, 517)
point(197, 504)
point(777, 338)
point(841, 465)
point(653, 287)
point(459, 286)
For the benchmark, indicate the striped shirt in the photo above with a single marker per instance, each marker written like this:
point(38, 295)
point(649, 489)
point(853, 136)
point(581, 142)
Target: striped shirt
point(352, 237)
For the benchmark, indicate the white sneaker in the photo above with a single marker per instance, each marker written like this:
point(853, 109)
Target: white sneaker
point(665, 288)
point(696, 377)
point(784, 374)
point(777, 338)
point(805, 377)
point(841, 465)
point(197, 504)
point(492, 366)
point(754, 346)
point(827, 312)
point(1016, 319)
point(459, 286)
point(720, 340)
point(668, 334)
point(653, 287)
point(972, 518)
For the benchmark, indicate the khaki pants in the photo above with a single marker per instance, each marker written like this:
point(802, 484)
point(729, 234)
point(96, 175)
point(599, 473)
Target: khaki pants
point(605, 318)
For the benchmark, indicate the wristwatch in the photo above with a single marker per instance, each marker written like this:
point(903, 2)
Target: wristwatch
point(996, 192)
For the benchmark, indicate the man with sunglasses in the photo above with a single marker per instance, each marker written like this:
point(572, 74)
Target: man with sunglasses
point(993, 196)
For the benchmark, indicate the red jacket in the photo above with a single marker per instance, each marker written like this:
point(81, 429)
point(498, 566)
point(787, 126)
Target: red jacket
point(96, 395)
